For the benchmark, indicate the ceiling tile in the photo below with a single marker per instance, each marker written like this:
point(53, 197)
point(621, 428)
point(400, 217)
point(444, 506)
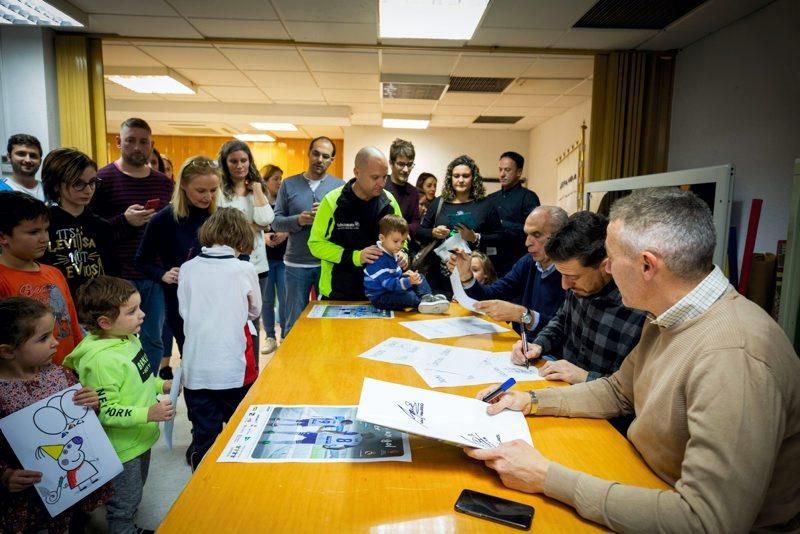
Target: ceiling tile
point(365, 108)
point(492, 65)
point(341, 61)
point(560, 67)
point(582, 89)
point(524, 101)
point(550, 111)
point(196, 57)
point(468, 99)
point(156, 26)
point(237, 94)
point(527, 123)
point(671, 40)
point(126, 56)
point(330, 80)
point(715, 14)
point(333, 32)
point(541, 86)
point(441, 109)
point(240, 9)
point(278, 59)
point(351, 96)
point(364, 11)
point(434, 64)
point(450, 121)
point(334, 132)
point(532, 14)
point(117, 92)
point(513, 37)
point(295, 94)
point(391, 107)
point(242, 29)
point(200, 96)
point(484, 126)
point(158, 8)
point(569, 101)
point(366, 119)
point(601, 39)
point(229, 78)
point(268, 79)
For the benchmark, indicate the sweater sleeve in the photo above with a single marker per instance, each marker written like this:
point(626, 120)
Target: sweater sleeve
point(735, 416)
point(506, 288)
point(263, 215)
point(425, 230)
point(112, 413)
point(319, 242)
point(283, 222)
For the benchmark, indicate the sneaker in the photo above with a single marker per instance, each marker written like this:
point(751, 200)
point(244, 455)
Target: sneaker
point(441, 297)
point(269, 346)
point(433, 304)
point(165, 373)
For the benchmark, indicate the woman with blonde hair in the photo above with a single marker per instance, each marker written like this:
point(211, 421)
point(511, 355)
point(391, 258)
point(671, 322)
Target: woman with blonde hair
point(170, 238)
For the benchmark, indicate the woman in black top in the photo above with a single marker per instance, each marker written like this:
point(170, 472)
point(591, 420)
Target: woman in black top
point(462, 208)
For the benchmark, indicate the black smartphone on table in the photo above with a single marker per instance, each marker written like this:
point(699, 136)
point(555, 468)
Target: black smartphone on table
point(503, 511)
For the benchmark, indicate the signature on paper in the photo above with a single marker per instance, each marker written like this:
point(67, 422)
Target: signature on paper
point(481, 441)
point(414, 410)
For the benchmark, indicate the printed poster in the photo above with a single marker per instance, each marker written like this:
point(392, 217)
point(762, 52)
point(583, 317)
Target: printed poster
point(66, 443)
point(348, 311)
point(270, 433)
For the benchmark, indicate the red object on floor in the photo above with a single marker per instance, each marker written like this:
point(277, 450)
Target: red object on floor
point(750, 243)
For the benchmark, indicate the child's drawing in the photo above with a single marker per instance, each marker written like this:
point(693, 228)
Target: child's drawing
point(60, 414)
point(79, 472)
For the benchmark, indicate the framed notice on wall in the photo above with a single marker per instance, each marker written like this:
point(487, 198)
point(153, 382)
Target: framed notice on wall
point(570, 174)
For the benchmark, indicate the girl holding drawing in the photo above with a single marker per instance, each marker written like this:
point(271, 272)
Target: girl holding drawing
point(28, 375)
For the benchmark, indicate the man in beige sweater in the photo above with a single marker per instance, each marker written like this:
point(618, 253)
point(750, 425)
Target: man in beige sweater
point(714, 384)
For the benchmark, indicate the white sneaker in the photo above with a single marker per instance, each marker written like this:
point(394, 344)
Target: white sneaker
point(269, 346)
point(433, 304)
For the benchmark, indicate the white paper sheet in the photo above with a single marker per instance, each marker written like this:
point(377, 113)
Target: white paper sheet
point(66, 444)
point(446, 366)
point(173, 396)
point(278, 434)
point(451, 418)
point(348, 311)
point(459, 293)
point(452, 327)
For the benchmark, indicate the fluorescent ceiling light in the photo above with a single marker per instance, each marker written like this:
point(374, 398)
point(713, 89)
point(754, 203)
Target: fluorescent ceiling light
point(274, 126)
point(430, 19)
point(255, 137)
point(34, 12)
point(158, 80)
point(411, 124)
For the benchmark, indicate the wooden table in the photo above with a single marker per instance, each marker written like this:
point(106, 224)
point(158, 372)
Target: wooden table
point(317, 364)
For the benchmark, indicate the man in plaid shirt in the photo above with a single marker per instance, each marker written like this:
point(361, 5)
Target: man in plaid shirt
point(592, 332)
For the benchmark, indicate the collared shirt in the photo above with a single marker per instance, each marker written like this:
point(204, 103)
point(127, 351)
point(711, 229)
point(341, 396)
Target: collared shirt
point(546, 271)
point(695, 302)
point(595, 333)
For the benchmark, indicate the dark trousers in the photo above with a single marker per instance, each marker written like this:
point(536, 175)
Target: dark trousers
point(173, 316)
point(400, 300)
point(209, 409)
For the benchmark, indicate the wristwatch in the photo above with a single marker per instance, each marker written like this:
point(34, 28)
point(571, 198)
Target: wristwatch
point(534, 403)
point(527, 319)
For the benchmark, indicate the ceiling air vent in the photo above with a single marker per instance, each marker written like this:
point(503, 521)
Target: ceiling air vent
point(460, 84)
point(413, 87)
point(496, 119)
point(636, 14)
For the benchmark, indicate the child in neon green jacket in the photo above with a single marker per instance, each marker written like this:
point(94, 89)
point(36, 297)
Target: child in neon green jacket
point(112, 361)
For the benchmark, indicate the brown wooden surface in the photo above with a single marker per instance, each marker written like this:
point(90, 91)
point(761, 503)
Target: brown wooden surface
point(318, 364)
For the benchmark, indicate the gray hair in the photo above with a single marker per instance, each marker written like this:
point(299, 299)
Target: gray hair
point(557, 218)
point(673, 223)
point(366, 154)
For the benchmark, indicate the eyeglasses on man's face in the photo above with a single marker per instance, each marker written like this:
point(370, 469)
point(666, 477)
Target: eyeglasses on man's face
point(404, 164)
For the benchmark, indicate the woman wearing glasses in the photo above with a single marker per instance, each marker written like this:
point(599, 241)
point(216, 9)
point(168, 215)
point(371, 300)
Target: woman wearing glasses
point(243, 189)
point(80, 240)
point(461, 209)
point(170, 239)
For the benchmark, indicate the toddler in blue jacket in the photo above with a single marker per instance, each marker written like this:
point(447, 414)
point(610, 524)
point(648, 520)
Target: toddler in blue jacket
point(386, 285)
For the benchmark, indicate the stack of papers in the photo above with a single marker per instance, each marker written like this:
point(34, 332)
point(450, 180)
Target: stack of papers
point(453, 327)
point(445, 366)
point(459, 420)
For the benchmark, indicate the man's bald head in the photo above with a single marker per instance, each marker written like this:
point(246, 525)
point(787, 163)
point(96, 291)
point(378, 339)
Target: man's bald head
point(366, 154)
point(370, 172)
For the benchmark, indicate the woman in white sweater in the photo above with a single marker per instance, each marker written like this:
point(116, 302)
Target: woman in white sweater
point(243, 189)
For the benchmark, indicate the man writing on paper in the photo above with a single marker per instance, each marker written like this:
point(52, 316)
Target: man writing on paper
point(713, 386)
point(533, 281)
point(346, 225)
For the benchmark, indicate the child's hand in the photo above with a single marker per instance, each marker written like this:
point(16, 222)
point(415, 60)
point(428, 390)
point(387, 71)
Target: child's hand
point(160, 411)
point(415, 278)
point(19, 479)
point(167, 386)
point(87, 397)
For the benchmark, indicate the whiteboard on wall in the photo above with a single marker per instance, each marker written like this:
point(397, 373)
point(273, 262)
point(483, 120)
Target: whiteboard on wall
point(719, 177)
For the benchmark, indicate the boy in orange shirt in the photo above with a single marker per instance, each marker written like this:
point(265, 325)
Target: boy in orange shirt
point(23, 239)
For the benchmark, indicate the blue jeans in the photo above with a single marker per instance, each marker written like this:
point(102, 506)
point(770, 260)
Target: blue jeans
point(276, 286)
point(262, 285)
point(154, 312)
point(400, 300)
point(299, 281)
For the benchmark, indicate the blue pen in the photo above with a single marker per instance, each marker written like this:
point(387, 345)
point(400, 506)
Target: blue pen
point(549, 358)
point(501, 389)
